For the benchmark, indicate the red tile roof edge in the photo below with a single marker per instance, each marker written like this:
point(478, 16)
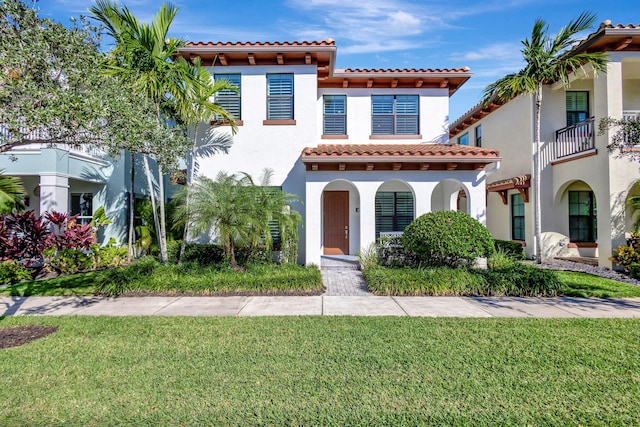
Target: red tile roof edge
point(385, 150)
point(405, 70)
point(328, 42)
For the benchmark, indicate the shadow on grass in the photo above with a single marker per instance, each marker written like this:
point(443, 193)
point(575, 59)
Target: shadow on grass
point(76, 284)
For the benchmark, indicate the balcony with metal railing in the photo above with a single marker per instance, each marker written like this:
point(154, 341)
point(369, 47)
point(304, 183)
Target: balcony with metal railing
point(631, 141)
point(575, 139)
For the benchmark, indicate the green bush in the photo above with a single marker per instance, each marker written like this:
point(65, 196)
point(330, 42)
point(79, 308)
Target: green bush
point(500, 260)
point(13, 272)
point(521, 280)
point(203, 254)
point(624, 256)
point(109, 256)
point(447, 238)
point(68, 260)
point(634, 270)
point(514, 250)
point(118, 280)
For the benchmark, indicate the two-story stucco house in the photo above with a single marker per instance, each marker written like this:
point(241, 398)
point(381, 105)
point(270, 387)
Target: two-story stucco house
point(583, 187)
point(366, 150)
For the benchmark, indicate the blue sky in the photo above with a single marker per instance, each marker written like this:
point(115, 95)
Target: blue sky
point(484, 35)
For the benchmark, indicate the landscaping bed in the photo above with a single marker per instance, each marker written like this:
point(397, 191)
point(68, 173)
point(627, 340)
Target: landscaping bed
point(148, 277)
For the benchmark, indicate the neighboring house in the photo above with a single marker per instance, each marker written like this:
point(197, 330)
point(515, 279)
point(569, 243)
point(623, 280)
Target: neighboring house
point(76, 179)
point(366, 150)
point(584, 188)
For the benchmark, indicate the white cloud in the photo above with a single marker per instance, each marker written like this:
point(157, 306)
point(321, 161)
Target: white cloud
point(494, 51)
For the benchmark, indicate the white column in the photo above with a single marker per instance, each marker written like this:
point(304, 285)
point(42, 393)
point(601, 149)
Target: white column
point(313, 222)
point(367, 212)
point(54, 192)
point(422, 192)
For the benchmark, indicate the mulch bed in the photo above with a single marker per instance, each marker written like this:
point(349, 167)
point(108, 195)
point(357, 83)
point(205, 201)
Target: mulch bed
point(14, 336)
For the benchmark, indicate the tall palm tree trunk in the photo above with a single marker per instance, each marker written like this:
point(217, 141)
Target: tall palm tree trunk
point(131, 208)
point(190, 170)
point(162, 238)
point(536, 182)
point(147, 172)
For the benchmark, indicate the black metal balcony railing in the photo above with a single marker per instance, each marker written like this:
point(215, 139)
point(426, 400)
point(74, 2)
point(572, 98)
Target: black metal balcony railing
point(631, 140)
point(575, 139)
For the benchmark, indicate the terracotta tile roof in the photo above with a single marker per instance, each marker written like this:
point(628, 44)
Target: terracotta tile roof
point(522, 181)
point(328, 42)
point(405, 70)
point(436, 152)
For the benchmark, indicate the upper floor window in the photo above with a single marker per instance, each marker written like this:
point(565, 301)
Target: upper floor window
point(583, 218)
point(394, 114)
point(279, 96)
point(335, 115)
point(464, 139)
point(577, 107)
point(228, 99)
point(479, 136)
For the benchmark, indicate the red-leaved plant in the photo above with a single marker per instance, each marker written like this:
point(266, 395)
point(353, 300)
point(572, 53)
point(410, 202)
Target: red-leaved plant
point(66, 233)
point(23, 236)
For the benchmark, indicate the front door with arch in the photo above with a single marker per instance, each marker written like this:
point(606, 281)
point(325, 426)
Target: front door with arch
point(336, 222)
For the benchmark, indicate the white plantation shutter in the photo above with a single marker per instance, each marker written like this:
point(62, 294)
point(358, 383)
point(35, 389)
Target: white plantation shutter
point(394, 114)
point(335, 115)
point(279, 96)
point(228, 99)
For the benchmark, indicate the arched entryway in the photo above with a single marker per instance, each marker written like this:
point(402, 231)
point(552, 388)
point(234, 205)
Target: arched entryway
point(340, 219)
point(450, 195)
point(395, 207)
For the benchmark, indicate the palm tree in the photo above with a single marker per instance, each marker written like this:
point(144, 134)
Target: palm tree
point(198, 108)
point(225, 205)
point(11, 193)
point(547, 60)
point(275, 207)
point(146, 57)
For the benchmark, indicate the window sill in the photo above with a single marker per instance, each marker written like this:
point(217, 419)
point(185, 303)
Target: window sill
point(395, 136)
point(522, 242)
point(279, 122)
point(582, 245)
point(334, 137)
point(225, 123)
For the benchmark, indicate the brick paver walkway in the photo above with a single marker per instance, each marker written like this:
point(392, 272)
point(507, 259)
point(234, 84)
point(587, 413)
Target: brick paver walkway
point(342, 277)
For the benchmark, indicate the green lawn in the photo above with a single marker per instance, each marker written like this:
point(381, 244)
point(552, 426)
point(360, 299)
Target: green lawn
point(587, 285)
point(323, 371)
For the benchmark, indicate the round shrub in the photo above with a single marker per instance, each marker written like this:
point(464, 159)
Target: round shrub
point(447, 238)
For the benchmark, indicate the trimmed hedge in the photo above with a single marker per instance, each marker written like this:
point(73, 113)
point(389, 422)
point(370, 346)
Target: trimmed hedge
point(447, 238)
point(521, 281)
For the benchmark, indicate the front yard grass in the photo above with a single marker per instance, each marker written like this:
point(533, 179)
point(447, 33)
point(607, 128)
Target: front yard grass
point(323, 371)
point(587, 285)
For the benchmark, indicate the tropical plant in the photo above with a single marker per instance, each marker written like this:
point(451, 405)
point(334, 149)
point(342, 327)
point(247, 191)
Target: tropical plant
point(547, 59)
point(147, 60)
point(197, 108)
point(23, 237)
point(240, 213)
point(11, 193)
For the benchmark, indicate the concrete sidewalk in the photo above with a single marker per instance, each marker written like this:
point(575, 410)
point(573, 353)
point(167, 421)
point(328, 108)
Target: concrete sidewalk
point(322, 305)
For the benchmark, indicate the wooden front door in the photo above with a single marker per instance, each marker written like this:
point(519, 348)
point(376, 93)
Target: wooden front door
point(336, 222)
